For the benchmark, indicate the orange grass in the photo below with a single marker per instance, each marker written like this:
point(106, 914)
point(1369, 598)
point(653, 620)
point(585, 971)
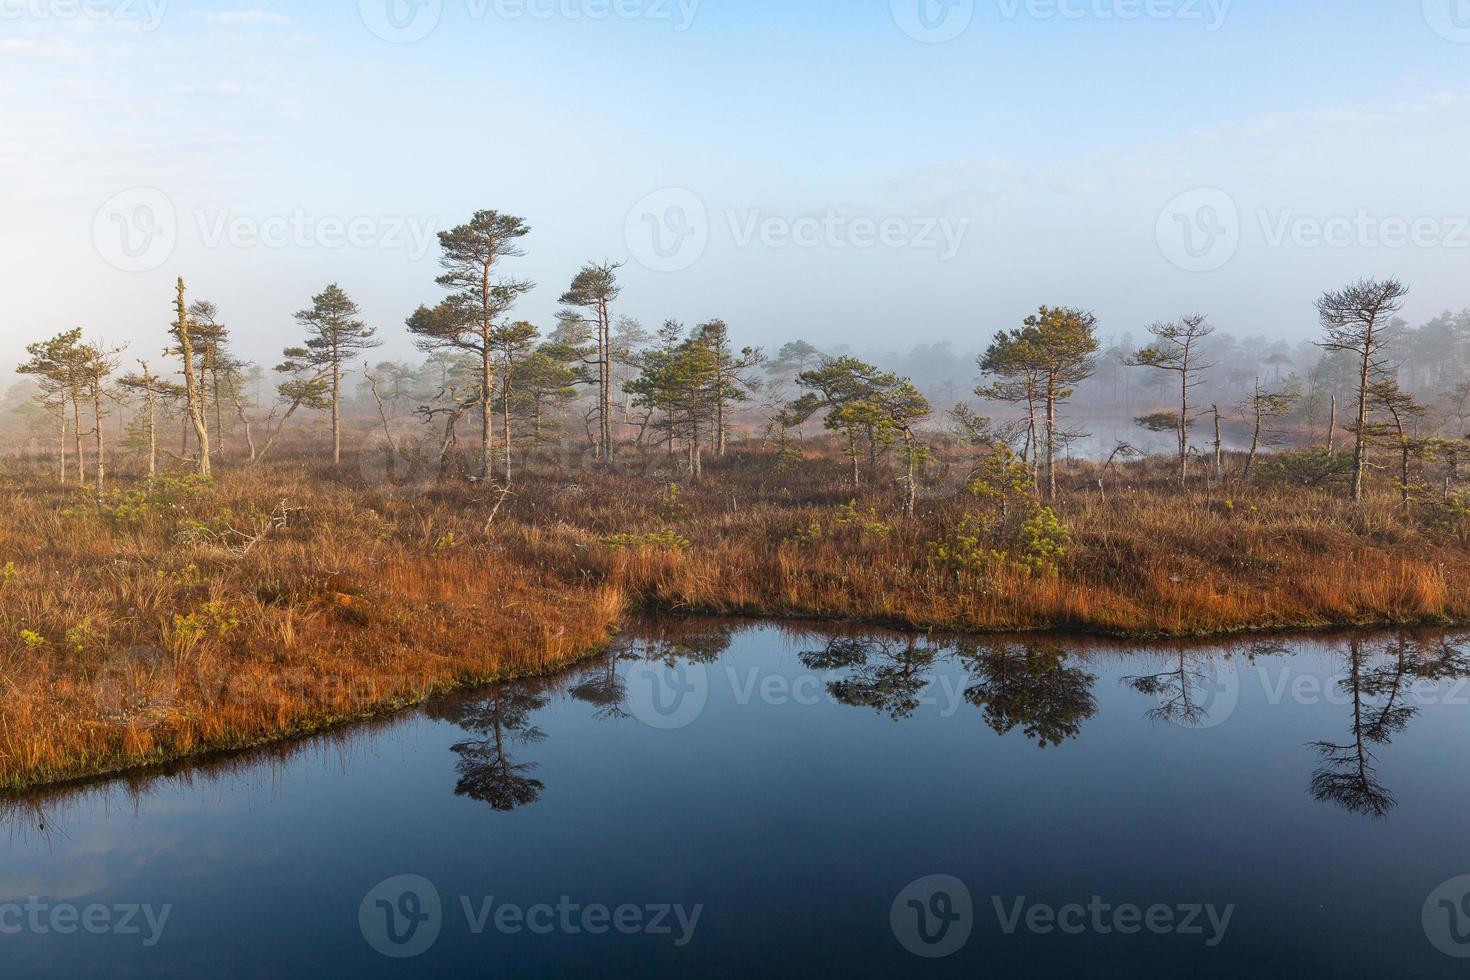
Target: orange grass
point(154, 633)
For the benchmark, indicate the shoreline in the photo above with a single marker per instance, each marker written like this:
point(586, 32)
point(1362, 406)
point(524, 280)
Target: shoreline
point(176, 763)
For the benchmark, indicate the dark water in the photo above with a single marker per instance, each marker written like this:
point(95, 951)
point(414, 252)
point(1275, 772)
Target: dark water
point(732, 800)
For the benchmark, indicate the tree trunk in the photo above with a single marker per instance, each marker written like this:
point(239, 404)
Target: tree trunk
point(1332, 429)
point(76, 415)
point(270, 441)
point(487, 422)
point(1250, 463)
point(505, 420)
point(604, 381)
point(191, 385)
point(1360, 456)
point(1184, 427)
point(219, 418)
point(1051, 445)
point(61, 413)
point(245, 421)
point(152, 436)
point(336, 410)
point(912, 496)
point(1219, 445)
point(98, 433)
point(1033, 446)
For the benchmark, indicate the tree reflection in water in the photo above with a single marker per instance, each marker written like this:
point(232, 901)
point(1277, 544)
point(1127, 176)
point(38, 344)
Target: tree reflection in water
point(1186, 692)
point(1381, 695)
point(888, 676)
point(699, 641)
point(604, 687)
point(1029, 686)
point(487, 772)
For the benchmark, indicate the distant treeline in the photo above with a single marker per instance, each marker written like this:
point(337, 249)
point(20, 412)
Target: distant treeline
point(504, 386)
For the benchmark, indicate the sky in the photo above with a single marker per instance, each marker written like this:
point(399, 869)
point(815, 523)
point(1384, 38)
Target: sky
point(871, 173)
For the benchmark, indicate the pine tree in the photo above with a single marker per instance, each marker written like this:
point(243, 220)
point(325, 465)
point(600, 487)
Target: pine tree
point(472, 256)
point(1355, 321)
point(335, 337)
point(589, 301)
point(1041, 364)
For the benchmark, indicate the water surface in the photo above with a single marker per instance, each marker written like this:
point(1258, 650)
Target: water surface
point(728, 799)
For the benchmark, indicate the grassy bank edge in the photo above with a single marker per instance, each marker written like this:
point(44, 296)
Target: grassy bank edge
point(164, 763)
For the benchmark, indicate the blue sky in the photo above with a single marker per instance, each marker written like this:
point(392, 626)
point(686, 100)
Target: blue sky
point(1060, 150)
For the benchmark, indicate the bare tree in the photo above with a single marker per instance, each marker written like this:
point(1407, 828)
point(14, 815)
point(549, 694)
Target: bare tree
point(98, 364)
point(1176, 349)
point(1263, 409)
point(182, 331)
point(152, 388)
point(1403, 410)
